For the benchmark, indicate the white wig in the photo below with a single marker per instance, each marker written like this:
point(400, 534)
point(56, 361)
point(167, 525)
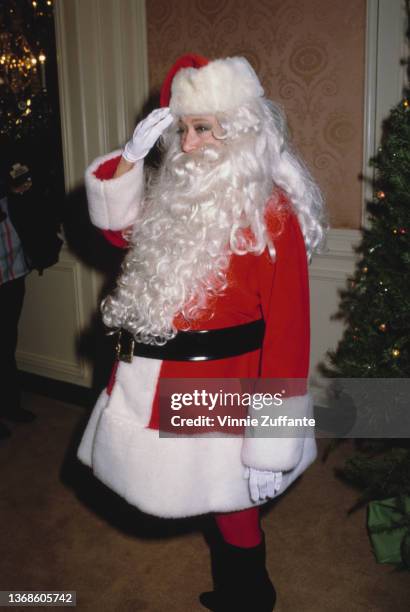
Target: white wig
point(199, 209)
point(288, 172)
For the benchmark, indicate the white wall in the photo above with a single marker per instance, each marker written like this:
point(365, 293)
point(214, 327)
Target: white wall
point(101, 47)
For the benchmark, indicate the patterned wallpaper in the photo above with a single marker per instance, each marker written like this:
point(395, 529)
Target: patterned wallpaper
point(309, 55)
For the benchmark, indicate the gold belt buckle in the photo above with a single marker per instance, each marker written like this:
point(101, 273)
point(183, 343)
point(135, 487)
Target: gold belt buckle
point(124, 349)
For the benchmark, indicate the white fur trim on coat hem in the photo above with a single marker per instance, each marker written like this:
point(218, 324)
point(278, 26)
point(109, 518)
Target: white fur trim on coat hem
point(85, 450)
point(172, 477)
point(114, 203)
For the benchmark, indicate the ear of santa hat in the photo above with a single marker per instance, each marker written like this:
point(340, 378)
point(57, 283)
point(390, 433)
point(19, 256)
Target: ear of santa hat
point(185, 61)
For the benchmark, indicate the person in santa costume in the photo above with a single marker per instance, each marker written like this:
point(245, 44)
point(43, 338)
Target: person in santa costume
point(214, 284)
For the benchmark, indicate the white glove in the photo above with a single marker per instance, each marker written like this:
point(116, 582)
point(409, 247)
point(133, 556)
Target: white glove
point(147, 133)
point(262, 483)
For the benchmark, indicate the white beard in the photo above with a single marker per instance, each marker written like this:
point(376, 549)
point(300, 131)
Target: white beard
point(193, 214)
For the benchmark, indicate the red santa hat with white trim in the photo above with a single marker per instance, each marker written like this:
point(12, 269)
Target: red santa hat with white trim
point(196, 86)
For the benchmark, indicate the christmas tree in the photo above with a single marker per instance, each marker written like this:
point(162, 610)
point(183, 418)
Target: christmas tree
point(376, 305)
point(376, 310)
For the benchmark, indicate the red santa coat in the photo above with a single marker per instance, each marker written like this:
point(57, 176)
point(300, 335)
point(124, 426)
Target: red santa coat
point(185, 476)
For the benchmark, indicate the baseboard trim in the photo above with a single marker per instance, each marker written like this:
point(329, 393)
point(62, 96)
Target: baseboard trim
point(56, 389)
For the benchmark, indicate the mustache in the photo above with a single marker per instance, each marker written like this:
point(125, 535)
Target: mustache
point(209, 153)
point(196, 170)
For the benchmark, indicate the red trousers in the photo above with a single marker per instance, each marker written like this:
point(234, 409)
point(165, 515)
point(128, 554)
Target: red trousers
point(240, 528)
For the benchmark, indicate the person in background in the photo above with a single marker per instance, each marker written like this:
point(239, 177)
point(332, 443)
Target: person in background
point(214, 285)
point(28, 240)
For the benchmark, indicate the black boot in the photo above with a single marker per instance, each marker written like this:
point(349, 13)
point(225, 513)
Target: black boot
point(242, 582)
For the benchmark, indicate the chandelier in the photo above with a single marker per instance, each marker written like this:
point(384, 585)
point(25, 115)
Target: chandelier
point(23, 84)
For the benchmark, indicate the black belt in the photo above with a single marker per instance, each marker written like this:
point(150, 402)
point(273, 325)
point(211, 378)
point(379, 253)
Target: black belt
point(201, 345)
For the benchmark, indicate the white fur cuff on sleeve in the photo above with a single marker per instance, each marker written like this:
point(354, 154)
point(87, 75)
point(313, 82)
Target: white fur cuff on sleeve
point(265, 447)
point(114, 203)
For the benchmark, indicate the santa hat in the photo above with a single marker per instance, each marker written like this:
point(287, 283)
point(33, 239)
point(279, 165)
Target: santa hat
point(197, 86)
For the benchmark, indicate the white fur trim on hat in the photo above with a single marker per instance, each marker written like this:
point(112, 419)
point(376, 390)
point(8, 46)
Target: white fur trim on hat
point(221, 85)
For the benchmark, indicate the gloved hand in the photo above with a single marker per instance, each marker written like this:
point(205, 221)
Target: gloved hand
point(147, 133)
point(262, 483)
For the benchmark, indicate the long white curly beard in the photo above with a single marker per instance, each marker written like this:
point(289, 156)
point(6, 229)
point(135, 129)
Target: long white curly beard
point(181, 244)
